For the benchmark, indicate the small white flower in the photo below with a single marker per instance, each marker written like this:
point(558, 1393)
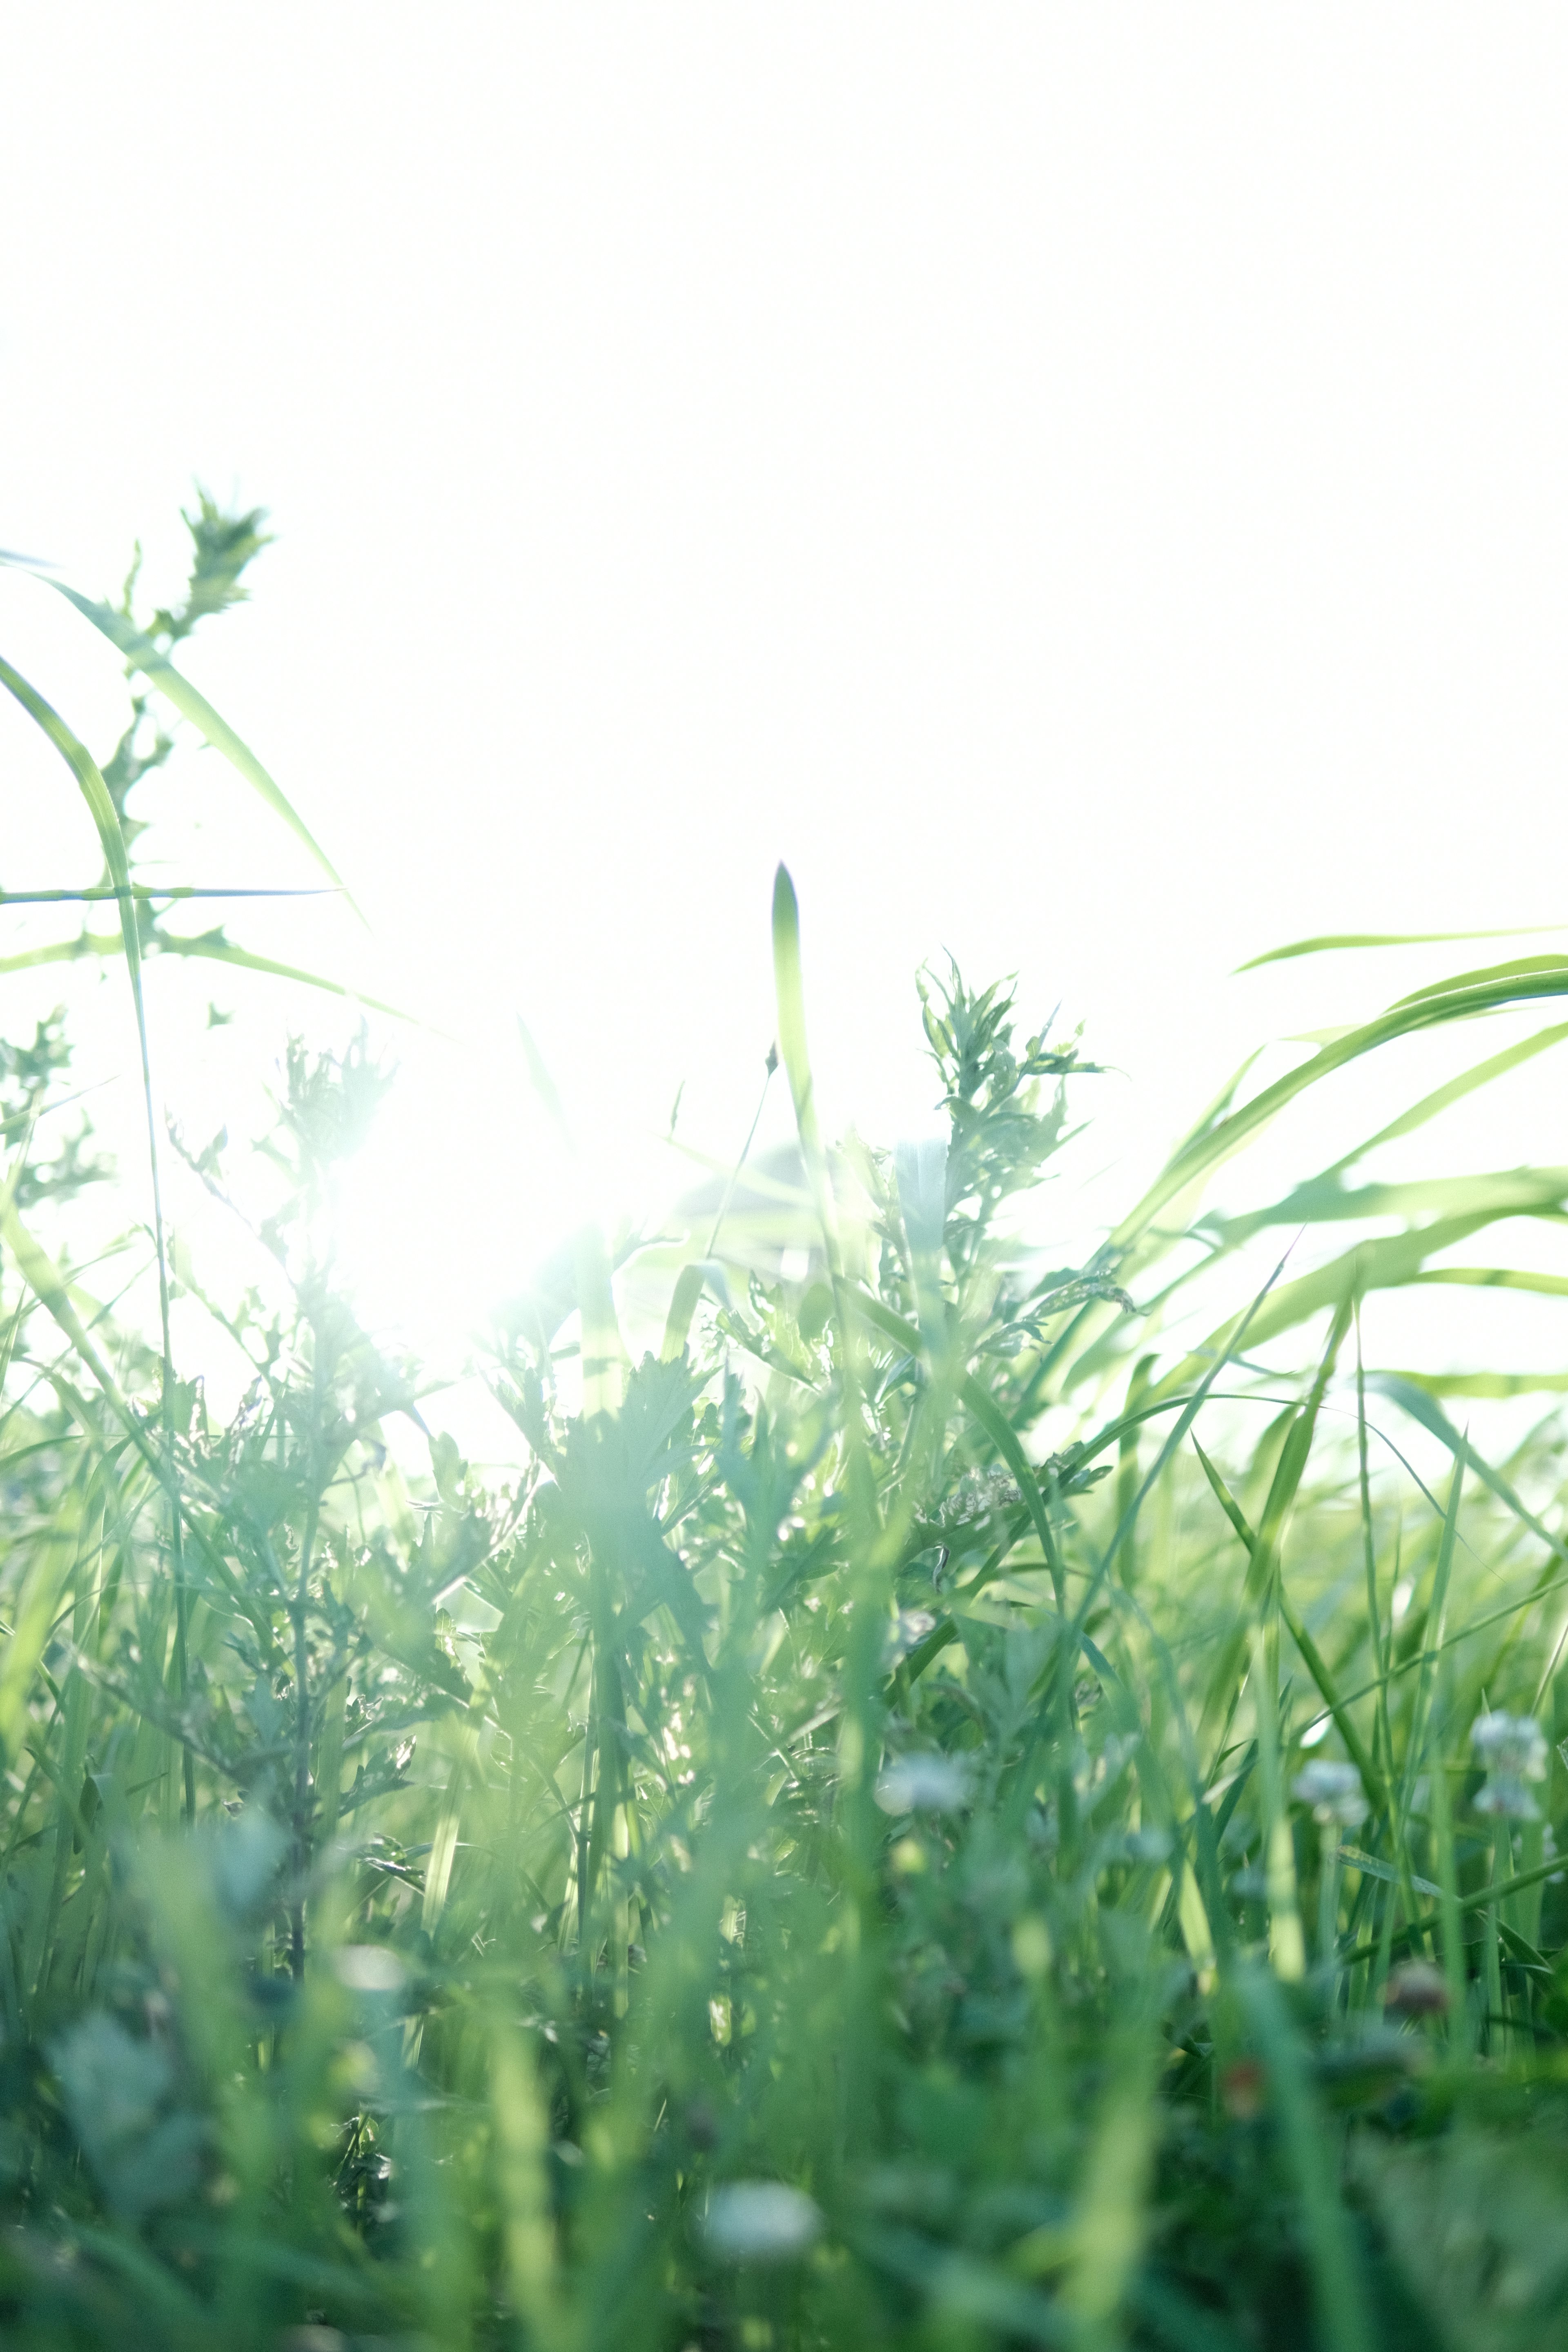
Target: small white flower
point(761, 2221)
point(1505, 1794)
point(1514, 1750)
point(1514, 1744)
point(922, 1783)
point(908, 1628)
point(369, 1967)
point(1333, 1792)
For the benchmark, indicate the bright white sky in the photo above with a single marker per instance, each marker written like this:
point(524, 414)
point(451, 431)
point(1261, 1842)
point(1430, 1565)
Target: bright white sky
point(1086, 487)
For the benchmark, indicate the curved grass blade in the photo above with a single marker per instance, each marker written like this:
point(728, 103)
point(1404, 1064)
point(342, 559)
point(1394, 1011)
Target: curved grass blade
point(1498, 1277)
point(1331, 940)
point(214, 949)
point(1455, 1001)
point(1442, 1097)
point(1424, 1408)
point(160, 672)
point(797, 1061)
point(1382, 1264)
point(217, 950)
point(1507, 1192)
point(1522, 968)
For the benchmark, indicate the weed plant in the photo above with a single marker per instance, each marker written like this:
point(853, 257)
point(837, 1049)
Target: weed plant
point(801, 1863)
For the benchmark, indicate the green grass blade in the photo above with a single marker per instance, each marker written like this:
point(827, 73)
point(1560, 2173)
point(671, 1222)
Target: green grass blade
point(1481, 992)
point(1339, 2292)
point(1331, 940)
point(1356, 1747)
point(142, 653)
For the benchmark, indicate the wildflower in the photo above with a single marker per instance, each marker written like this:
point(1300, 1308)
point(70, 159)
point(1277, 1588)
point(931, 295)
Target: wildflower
point(922, 1783)
point(761, 2221)
point(1512, 1748)
point(1333, 1792)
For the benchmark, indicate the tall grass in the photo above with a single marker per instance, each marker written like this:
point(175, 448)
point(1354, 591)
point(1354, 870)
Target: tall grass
point(805, 1861)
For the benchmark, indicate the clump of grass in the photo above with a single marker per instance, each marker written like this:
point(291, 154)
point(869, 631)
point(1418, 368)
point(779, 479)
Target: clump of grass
point(802, 1862)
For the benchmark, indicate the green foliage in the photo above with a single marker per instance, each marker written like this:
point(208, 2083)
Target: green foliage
point(802, 1860)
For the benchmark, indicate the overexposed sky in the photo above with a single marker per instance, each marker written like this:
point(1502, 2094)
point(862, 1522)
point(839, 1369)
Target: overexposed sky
point(1086, 487)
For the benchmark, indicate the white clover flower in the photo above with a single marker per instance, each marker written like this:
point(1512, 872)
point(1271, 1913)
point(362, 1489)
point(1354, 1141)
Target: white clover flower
point(910, 1627)
point(922, 1783)
point(761, 2221)
point(369, 1967)
point(1514, 1744)
point(1333, 1792)
point(1512, 1747)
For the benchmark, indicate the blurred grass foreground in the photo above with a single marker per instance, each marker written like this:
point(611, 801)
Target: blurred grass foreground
point(923, 1813)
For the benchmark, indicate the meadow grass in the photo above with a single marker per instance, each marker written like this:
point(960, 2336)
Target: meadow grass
point(806, 1859)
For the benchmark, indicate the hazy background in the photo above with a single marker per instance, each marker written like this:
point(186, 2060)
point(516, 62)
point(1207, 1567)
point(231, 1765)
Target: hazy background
point(1086, 487)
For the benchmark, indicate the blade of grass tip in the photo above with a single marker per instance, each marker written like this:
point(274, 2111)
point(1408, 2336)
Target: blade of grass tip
point(792, 1043)
point(792, 1050)
point(155, 667)
point(94, 792)
point(1337, 2286)
point(1333, 940)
